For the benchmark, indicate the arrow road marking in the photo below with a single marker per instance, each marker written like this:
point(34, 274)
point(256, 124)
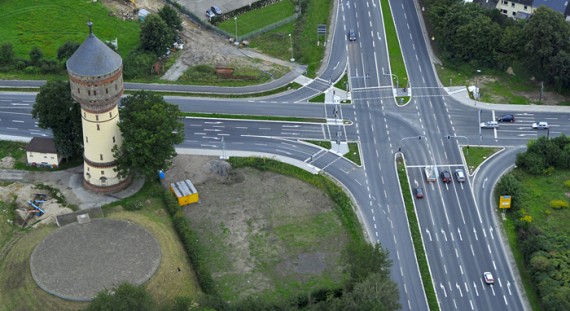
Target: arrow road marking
point(443, 288)
point(427, 231)
point(491, 230)
point(444, 235)
point(509, 287)
point(459, 232)
point(484, 182)
point(459, 288)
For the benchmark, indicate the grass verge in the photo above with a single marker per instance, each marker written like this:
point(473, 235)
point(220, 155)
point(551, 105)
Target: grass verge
point(417, 237)
point(402, 100)
point(397, 65)
point(321, 143)
point(342, 83)
point(353, 153)
point(268, 41)
point(318, 99)
point(290, 86)
point(474, 156)
point(308, 46)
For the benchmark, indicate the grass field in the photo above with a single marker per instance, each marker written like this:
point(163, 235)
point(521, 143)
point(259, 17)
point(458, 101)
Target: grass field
point(257, 19)
point(353, 153)
point(309, 48)
point(268, 42)
point(474, 156)
point(49, 24)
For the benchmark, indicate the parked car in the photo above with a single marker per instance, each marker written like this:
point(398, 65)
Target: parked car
point(540, 125)
point(506, 118)
point(210, 14)
point(445, 176)
point(351, 35)
point(490, 125)
point(459, 175)
point(419, 192)
point(488, 277)
point(216, 10)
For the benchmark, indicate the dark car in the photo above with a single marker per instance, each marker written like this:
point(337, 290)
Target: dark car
point(445, 176)
point(419, 192)
point(351, 35)
point(506, 118)
point(216, 10)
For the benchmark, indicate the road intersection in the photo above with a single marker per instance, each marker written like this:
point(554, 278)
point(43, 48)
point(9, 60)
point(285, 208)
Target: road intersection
point(457, 221)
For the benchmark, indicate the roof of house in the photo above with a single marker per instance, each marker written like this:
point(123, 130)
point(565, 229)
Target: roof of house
point(93, 58)
point(557, 5)
point(143, 13)
point(41, 144)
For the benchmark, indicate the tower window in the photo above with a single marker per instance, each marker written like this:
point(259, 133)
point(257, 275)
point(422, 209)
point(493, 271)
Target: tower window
point(94, 93)
point(113, 138)
point(110, 114)
point(115, 87)
point(96, 118)
point(86, 139)
point(84, 115)
point(88, 168)
point(78, 91)
point(89, 92)
point(98, 127)
point(102, 172)
point(101, 157)
point(106, 90)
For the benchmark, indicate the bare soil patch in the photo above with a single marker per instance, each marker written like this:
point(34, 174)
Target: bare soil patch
point(264, 231)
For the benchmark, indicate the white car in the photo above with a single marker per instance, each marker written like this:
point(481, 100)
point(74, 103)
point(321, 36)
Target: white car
point(488, 278)
point(210, 14)
point(540, 125)
point(490, 125)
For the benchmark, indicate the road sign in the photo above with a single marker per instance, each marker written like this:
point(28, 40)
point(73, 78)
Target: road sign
point(505, 201)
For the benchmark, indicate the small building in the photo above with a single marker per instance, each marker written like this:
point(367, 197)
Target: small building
point(142, 14)
point(41, 151)
point(185, 192)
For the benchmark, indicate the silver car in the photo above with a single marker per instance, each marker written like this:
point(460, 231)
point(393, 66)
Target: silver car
point(490, 125)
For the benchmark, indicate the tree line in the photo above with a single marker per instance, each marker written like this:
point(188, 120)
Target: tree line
point(467, 33)
point(546, 254)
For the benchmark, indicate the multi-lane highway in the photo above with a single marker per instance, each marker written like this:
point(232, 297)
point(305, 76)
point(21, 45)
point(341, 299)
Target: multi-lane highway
point(457, 221)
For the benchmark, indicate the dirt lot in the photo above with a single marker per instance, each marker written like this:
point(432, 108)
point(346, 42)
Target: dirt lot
point(202, 47)
point(264, 231)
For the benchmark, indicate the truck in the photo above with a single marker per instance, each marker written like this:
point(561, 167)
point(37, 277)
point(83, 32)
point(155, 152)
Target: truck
point(431, 173)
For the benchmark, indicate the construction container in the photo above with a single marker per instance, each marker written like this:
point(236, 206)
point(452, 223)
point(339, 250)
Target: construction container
point(185, 192)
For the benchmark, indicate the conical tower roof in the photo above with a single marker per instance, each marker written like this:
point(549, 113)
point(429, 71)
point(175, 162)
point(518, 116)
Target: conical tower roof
point(93, 58)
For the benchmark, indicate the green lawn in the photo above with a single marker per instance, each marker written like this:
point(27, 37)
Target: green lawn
point(257, 19)
point(49, 24)
point(268, 42)
point(353, 153)
point(309, 48)
point(474, 156)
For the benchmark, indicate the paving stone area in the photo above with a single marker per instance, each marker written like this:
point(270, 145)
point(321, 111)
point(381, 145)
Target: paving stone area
point(79, 260)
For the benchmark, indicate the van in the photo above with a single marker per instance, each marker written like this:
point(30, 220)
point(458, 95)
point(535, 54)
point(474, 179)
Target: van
point(459, 175)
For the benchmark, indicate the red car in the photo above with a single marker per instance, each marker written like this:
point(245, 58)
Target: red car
point(419, 192)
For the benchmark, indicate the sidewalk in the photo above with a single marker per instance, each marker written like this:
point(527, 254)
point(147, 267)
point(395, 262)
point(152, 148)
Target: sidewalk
point(459, 93)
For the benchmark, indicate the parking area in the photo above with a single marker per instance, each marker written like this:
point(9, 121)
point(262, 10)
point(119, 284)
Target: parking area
point(199, 7)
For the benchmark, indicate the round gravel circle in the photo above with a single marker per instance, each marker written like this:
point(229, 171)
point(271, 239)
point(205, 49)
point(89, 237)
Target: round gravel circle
point(79, 260)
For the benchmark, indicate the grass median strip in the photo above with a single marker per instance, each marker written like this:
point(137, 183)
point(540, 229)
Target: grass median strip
point(416, 237)
point(397, 65)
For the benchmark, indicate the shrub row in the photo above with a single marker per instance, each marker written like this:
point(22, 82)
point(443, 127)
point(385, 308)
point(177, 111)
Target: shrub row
point(191, 243)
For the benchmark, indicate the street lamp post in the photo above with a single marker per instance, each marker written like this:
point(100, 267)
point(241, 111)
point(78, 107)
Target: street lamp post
point(235, 22)
point(391, 74)
point(479, 123)
point(419, 138)
point(291, 43)
point(466, 138)
point(477, 85)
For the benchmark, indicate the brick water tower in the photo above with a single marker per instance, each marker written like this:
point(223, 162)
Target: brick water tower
point(96, 78)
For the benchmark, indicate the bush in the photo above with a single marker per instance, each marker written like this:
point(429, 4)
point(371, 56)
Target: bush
point(559, 204)
point(32, 70)
point(138, 65)
point(567, 184)
point(49, 66)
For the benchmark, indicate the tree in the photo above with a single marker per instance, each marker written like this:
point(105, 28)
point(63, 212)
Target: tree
point(57, 110)
point(364, 259)
point(66, 50)
point(124, 297)
point(36, 56)
point(150, 129)
point(156, 36)
point(376, 292)
point(170, 17)
point(6, 54)
point(546, 34)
